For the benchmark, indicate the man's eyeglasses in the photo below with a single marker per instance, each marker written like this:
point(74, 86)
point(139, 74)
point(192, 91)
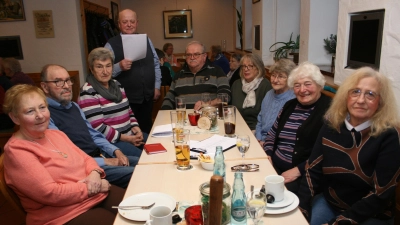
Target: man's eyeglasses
point(279, 76)
point(195, 55)
point(248, 67)
point(370, 95)
point(60, 83)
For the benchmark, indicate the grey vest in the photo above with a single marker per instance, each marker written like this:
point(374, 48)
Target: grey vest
point(139, 81)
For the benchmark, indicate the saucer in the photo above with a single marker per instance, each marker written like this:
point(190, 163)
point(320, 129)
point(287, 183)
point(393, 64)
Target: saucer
point(286, 209)
point(288, 198)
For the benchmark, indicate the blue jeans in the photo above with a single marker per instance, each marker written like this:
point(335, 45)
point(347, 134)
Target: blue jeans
point(322, 213)
point(130, 149)
point(121, 175)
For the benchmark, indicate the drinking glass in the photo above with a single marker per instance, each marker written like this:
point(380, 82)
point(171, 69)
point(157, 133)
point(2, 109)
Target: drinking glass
point(229, 120)
point(222, 101)
point(175, 123)
point(205, 99)
point(181, 108)
point(255, 205)
point(243, 144)
point(182, 149)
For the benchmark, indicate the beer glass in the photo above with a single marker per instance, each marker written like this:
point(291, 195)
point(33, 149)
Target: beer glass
point(229, 120)
point(222, 101)
point(175, 123)
point(182, 149)
point(181, 108)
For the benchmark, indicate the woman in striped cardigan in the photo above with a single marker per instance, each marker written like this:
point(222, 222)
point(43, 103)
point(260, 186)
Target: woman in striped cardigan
point(106, 106)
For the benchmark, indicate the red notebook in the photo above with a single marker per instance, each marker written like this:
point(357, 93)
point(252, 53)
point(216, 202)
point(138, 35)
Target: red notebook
point(154, 148)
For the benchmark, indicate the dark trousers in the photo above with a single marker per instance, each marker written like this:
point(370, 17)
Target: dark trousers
point(101, 213)
point(142, 113)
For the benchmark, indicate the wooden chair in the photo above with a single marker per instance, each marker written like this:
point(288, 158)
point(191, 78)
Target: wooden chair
point(157, 104)
point(397, 209)
point(9, 194)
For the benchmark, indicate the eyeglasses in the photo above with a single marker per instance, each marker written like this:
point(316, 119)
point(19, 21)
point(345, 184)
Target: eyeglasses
point(370, 95)
point(280, 77)
point(60, 83)
point(195, 55)
point(248, 67)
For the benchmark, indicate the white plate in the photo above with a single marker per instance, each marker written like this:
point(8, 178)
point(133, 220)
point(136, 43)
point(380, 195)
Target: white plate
point(288, 198)
point(146, 198)
point(284, 209)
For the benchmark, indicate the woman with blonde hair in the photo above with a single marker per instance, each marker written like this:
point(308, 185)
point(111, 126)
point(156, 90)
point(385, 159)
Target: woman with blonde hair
point(354, 168)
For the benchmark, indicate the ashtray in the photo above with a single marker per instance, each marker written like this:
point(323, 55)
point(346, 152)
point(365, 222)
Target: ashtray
point(245, 168)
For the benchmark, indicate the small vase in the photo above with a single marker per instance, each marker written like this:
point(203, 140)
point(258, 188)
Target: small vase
point(333, 60)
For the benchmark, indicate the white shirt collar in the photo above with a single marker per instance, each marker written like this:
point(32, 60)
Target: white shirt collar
point(360, 127)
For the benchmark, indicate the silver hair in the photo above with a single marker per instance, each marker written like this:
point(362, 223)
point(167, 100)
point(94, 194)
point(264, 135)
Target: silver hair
point(309, 70)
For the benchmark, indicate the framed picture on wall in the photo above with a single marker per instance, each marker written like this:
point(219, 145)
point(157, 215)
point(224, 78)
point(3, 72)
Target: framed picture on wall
point(254, 1)
point(12, 10)
point(178, 24)
point(114, 12)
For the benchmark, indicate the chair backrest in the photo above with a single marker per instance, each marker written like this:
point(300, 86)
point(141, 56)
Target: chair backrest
point(8, 193)
point(397, 209)
point(157, 104)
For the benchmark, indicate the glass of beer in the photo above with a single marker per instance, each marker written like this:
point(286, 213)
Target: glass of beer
point(175, 123)
point(229, 120)
point(182, 149)
point(181, 109)
point(222, 101)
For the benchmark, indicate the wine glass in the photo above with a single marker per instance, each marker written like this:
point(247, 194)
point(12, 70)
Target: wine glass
point(243, 144)
point(255, 205)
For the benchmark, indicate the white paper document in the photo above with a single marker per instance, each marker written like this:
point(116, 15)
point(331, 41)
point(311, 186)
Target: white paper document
point(212, 142)
point(134, 45)
point(162, 131)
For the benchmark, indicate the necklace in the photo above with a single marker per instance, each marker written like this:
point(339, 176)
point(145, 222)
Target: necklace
point(63, 154)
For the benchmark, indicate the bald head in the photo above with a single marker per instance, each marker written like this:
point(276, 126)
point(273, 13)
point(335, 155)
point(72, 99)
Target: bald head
point(127, 21)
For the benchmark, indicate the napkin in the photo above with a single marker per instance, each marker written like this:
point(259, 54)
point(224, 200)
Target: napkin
point(162, 131)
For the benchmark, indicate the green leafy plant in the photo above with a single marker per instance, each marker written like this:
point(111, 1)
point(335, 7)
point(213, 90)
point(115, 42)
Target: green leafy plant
point(240, 25)
point(285, 48)
point(330, 44)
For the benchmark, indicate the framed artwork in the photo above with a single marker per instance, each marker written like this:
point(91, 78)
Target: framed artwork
point(178, 24)
point(254, 1)
point(114, 12)
point(12, 10)
point(43, 20)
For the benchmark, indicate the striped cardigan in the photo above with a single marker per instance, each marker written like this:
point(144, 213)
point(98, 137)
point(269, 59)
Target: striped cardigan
point(110, 118)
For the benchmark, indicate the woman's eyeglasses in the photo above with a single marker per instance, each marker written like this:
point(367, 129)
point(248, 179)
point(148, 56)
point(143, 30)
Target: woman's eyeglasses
point(248, 67)
point(370, 95)
point(279, 76)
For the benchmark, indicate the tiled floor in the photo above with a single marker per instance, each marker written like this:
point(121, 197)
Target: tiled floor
point(8, 215)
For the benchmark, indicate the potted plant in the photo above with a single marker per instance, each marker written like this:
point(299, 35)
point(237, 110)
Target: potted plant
point(330, 47)
point(290, 47)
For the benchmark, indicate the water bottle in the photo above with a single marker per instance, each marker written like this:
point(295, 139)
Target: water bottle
point(219, 163)
point(238, 203)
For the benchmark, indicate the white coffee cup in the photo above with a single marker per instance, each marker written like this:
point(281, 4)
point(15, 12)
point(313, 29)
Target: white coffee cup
point(160, 215)
point(274, 185)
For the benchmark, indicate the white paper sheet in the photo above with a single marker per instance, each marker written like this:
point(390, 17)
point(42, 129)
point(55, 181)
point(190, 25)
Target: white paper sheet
point(134, 45)
point(162, 131)
point(212, 142)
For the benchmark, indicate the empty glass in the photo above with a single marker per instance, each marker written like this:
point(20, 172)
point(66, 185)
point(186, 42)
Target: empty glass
point(205, 99)
point(222, 101)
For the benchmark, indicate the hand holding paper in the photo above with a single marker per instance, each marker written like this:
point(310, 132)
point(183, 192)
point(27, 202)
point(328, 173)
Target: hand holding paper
point(135, 46)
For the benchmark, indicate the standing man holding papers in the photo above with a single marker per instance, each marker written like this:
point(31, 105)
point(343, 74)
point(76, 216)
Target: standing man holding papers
point(141, 78)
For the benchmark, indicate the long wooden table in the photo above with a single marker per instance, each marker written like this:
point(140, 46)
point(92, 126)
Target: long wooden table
point(158, 173)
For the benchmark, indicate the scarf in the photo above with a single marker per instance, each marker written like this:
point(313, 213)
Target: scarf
point(113, 93)
point(248, 88)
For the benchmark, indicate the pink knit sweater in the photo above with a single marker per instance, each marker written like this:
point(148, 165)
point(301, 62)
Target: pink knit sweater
point(46, 182)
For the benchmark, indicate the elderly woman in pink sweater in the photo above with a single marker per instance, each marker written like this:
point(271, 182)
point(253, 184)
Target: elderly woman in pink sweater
point(56, 182)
